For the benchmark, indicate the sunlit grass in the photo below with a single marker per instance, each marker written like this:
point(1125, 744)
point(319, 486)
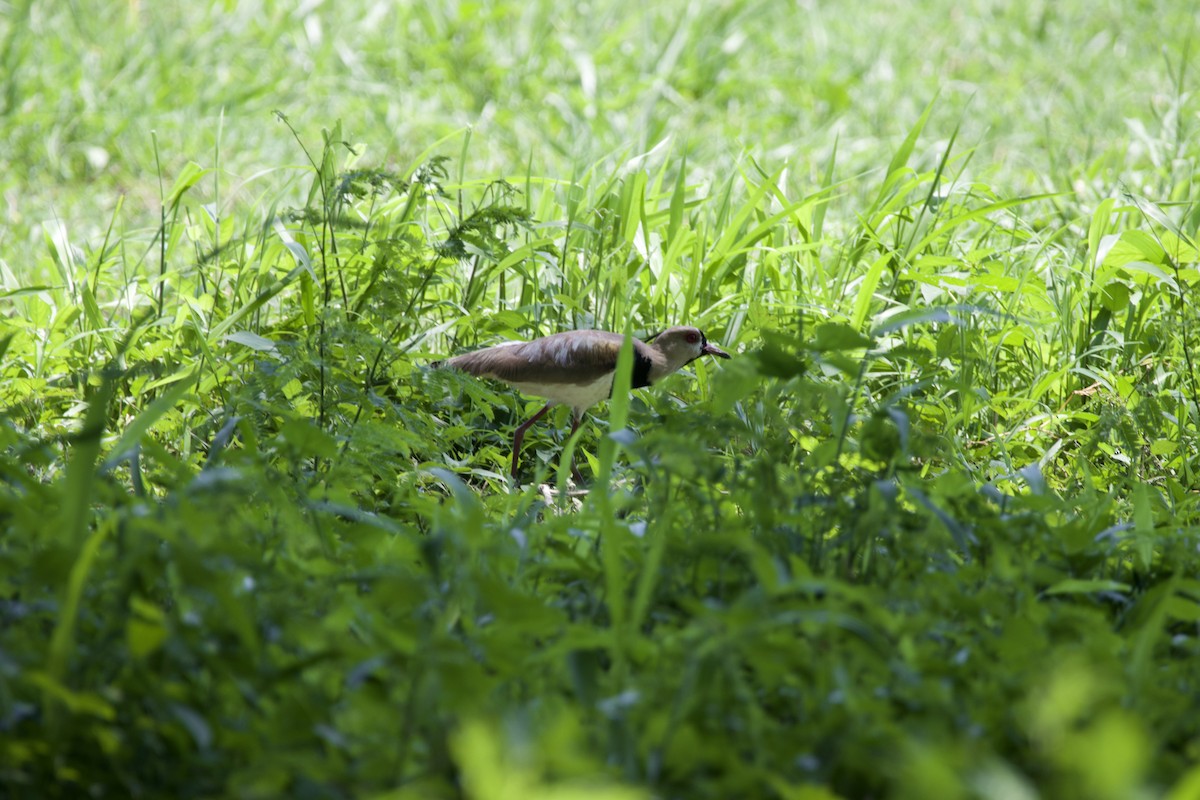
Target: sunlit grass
point(929, 532)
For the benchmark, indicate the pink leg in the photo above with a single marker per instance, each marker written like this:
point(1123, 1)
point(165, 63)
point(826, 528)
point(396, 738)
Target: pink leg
point(519, 436)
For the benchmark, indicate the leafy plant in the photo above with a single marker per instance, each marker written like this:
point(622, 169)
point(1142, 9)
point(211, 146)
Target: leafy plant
point(931, 533)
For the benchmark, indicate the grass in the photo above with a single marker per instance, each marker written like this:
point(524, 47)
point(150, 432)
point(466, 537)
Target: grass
point(931, 532)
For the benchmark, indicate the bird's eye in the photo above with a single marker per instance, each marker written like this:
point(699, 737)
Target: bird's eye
point(693, 337)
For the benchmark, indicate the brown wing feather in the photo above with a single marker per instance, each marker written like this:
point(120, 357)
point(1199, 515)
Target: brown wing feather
point(578, 357)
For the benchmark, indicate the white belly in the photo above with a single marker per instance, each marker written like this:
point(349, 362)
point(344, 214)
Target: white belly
point(579, 396)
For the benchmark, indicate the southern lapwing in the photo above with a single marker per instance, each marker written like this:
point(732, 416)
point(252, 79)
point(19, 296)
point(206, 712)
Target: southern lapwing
point(576, 368)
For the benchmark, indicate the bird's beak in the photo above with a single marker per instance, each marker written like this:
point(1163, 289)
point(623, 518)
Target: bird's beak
point(711, 349)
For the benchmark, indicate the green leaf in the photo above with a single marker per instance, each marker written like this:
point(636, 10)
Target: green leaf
point(253, 341)
point(1132, 246)
point(678, 201)
point(834, 336)
point(23, 291)
point(307, 439)
point(1115, 296)
point(1187, 787)
point(782, 356)
point(143, 422)
point(904, 152)
point(81, 463)
point(195, 723)
point(741, 377)
point(191, 174)
point(1087, 586)
point(145, 630)
point(62, 640)
point(84, 703)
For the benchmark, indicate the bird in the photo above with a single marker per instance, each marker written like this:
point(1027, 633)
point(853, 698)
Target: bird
point(577, 368)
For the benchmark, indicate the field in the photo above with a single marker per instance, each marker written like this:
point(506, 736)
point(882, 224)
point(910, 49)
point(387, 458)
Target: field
point(932, 532)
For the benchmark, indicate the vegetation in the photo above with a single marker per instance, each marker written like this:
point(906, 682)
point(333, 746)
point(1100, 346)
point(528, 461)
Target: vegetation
point(933, 532)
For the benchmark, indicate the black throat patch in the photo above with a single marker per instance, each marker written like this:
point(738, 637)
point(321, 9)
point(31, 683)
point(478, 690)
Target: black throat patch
point(641, 370)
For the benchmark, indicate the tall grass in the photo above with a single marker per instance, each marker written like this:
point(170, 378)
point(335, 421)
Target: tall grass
point(929, 533)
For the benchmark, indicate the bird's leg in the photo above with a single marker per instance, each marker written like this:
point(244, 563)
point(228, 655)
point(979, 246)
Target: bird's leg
point(519, 436)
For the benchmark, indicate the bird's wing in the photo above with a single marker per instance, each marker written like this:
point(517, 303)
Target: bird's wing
point(580, 358)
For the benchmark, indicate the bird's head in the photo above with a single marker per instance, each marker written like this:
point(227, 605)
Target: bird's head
point(683, 345)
